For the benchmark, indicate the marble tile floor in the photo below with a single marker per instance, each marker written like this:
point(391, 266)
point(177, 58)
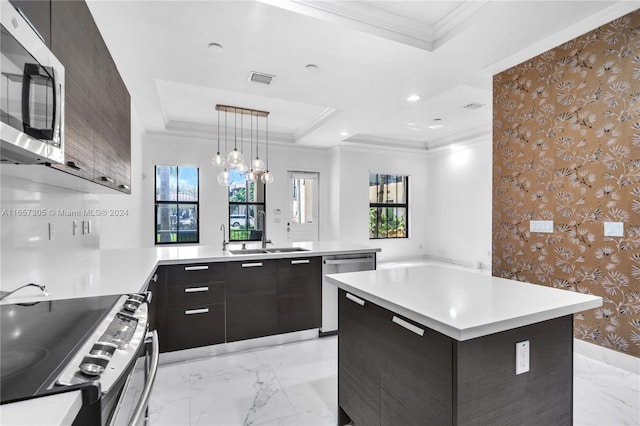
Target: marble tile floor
point(296, 384)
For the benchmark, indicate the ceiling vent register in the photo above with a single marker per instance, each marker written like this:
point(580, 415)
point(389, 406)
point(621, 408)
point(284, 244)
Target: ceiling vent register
point(260, 77)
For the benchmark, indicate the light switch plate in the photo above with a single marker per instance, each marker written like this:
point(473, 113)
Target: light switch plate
point(614, 229)
point(545, 226)
point(522, 357)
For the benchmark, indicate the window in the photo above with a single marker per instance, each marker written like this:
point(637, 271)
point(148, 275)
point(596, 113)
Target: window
point(388, 206)
point(177, 205)
point(246, 199)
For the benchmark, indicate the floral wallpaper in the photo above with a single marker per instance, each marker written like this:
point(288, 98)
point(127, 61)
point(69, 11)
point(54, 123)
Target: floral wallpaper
point(566, 147)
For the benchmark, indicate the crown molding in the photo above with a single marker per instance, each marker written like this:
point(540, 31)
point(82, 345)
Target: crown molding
point(207, 131)
point(606, 15)
point(316, 122)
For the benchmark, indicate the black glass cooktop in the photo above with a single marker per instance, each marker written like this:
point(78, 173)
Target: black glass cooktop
point(37, 340)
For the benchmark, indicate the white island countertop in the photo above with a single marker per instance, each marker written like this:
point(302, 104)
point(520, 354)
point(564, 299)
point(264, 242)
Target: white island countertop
point(121, 271)
point(462, 304)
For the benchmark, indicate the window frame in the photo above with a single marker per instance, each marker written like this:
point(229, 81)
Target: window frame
point(176, 203)
point(378, 205)
point(247, 204)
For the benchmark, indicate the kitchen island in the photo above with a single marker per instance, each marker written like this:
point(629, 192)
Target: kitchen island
point(435, 345)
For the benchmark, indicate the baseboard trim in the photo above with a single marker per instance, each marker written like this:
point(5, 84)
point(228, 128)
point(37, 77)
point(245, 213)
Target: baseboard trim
point(608, 356)
point(243, 345)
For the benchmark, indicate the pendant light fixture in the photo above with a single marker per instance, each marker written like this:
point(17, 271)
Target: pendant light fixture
point(267, 177)
point(218, 160)
point(242, 167)
point(257, 164)
point(254, 169)
point(223, 176)
point(251, 176)
point(235, 157)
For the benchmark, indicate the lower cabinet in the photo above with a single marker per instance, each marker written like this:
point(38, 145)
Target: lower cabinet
point(393, 371)
point(252, 299)
point(195, 326)
point(299, 292)
point(209, 303)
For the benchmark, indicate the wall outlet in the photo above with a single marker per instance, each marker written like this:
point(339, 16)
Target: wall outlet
point(614, 229)
point(545, 226)
point(522, 357)
point(52, 231)
point(85, 227)
point(89, 228)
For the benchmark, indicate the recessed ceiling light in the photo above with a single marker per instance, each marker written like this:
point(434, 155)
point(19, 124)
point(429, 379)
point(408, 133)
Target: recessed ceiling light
point(312, 67)
point(436, 126)
point(216, 47)
point(344, 133)
point(473, 105)
point(414, 97)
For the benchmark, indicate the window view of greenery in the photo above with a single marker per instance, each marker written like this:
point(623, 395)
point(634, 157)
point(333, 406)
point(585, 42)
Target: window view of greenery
point(176, 205)
point(388, 206)
point(246, 199)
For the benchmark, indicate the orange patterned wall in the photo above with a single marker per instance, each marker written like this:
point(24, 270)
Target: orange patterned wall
point(566, 147)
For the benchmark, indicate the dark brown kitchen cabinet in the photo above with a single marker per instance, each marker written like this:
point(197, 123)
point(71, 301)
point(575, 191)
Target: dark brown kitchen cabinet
point(97, 103)
point(416, 384)
point(38, 13)
point(359, 360)
point(192, 298)
point(192, 327)
point(299, 289)
point(252, 299)
point(394, 371)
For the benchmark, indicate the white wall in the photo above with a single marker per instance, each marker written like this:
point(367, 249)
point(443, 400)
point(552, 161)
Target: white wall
point(352, 177)
point(176, 150)
point(458, 194)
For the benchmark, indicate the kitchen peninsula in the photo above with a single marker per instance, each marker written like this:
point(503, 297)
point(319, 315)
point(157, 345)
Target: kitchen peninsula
point(437, 344)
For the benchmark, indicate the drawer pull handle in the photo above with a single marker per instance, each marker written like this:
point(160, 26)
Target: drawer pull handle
point(155, 278)
point(355, 299)
point(196, 311)
point(300, 262)
point(196, 268)
point(195, 289)
point(124, 186)
point(107, 179)
point(408, 326)
point(252, 265)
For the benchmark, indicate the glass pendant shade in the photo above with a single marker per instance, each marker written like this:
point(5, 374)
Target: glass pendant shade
point(218, 160)
point(251, 176)
point(223, 177)
point(242, 168)
point(235, 158)
point(258, 165)
point(266, 177)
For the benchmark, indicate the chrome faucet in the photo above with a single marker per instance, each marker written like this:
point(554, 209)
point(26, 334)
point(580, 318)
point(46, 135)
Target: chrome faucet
point(225, 243)
point(42, 288)
point(264, 229)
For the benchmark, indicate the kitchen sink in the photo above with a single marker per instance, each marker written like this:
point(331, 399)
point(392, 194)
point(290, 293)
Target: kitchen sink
point(285, 250)
point(248, 251)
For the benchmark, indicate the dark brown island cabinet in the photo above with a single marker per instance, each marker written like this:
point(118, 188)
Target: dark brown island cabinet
point(97, 123)
point(210, 303)
point(394, 371)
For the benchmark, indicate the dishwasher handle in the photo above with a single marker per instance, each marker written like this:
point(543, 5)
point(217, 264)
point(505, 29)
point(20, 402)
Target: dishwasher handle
point(347, 261)
point(143, 402)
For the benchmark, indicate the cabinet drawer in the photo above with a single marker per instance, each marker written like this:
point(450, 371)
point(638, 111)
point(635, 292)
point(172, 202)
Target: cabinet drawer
point(251, 271)
point(195, 326)
point(195, 273)
point(195, 294)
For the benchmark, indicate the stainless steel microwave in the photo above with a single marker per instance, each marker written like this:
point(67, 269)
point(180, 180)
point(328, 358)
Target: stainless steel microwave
point(31, 94)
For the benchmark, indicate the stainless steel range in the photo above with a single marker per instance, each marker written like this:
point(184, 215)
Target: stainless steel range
point(49, 347)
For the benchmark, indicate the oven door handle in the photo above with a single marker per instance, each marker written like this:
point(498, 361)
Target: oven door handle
point(143, 402)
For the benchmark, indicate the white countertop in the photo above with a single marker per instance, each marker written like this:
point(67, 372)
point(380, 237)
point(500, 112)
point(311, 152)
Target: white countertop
point(462, 304)
point(58, 409)
point(121, 271)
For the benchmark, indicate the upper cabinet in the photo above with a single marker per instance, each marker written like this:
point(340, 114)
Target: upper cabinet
point(38, 13)
point(97, 103)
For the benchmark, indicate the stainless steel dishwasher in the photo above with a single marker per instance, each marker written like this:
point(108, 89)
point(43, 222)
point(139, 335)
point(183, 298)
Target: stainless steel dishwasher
point(333, 265)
